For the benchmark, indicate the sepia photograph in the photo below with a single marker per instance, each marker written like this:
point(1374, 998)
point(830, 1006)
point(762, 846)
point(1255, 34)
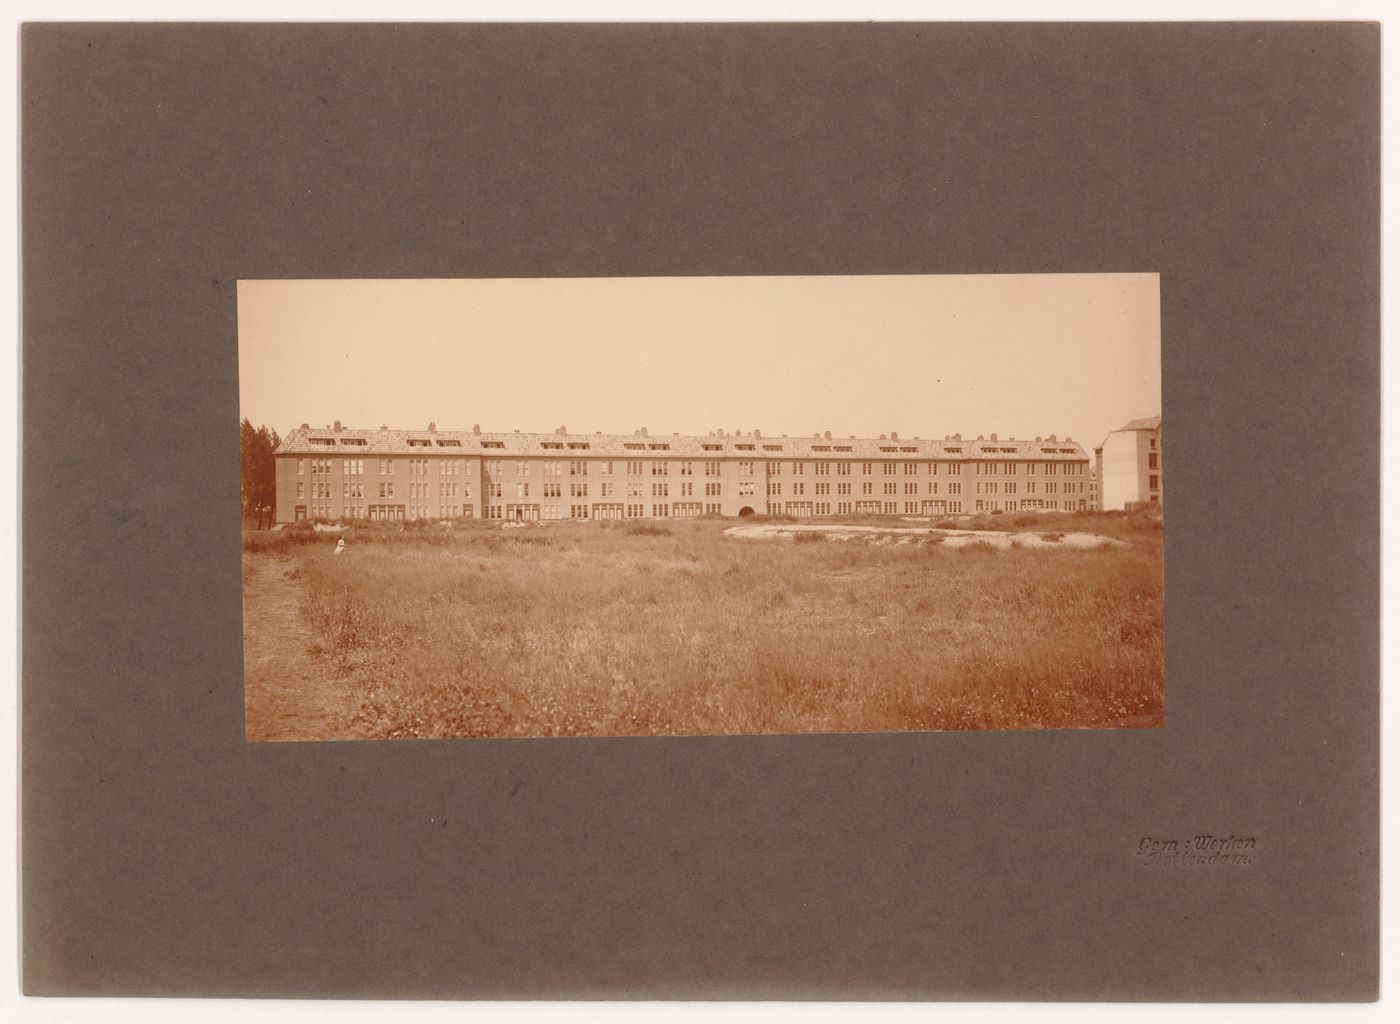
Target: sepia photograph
point(700, 506)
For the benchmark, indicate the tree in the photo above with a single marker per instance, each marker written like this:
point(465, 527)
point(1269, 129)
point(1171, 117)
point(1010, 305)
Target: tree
point(258, 466)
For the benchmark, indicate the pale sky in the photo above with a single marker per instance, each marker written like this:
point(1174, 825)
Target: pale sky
point(1016, 355)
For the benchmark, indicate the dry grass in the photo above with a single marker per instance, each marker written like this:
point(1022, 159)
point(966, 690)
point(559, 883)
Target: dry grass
point(594, 629)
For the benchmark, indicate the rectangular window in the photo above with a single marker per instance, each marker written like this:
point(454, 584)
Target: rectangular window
point(1152, 482)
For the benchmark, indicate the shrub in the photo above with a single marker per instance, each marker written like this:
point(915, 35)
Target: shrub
point(978, 547)
point(1053, 538)
point(809, 537)
point(648, 530)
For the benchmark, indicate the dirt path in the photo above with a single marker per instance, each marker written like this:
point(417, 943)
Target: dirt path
point(913, 534)
point(286, 692)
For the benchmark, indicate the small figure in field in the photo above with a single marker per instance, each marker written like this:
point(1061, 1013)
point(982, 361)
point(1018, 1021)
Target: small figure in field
point(340, 546)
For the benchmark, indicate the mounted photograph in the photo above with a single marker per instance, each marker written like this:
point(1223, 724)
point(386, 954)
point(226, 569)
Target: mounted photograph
point(699, 506)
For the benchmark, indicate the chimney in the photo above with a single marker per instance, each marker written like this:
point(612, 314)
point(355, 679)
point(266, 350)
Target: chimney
point(383, 426)
point(894, 435)
point(432, 426)
point(1052, 439)
point(476, 428)
point(957, 437)
point(307, 426)
point(827, 435)
point(1039, 438)
point(757, 432)
point(981, 438)
point(883, 437)
point(337, 426)
point(643, 432)
point(994, 437)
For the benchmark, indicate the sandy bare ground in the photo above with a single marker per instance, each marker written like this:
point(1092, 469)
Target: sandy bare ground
point(285, 691)
point(918, 534)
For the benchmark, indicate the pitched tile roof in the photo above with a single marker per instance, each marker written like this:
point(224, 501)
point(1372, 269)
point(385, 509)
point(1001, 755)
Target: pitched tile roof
point(1151, 423)
point(349, 442)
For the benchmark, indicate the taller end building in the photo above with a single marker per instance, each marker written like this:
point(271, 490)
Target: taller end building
point(341, 473)
point(1128, 466)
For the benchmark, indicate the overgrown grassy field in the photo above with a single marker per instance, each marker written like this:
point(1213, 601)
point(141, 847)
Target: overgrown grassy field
point(608, 629)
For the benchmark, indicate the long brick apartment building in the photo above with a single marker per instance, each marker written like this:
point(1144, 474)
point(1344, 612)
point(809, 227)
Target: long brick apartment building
point(340, 473)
